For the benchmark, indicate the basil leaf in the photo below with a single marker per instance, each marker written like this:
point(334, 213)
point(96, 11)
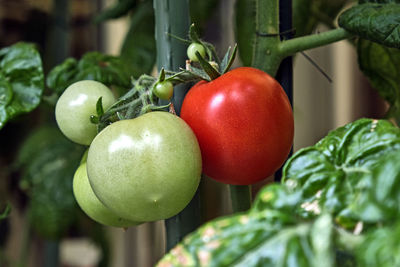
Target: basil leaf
point(267, 238)
point(378, 22)
point(21, 80)
point(110, 70)
point(380, 65)
point(376, 195)
point(380, 248)
point(330, 173)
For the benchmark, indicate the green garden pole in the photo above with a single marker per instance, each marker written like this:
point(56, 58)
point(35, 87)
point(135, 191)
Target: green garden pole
point(285, 71)
point(172, 19)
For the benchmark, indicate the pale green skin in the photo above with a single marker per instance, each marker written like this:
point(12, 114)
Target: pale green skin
point(164, 90)
point(76, 105)
point(191, 51)
point(145, 169)
point(91, 205)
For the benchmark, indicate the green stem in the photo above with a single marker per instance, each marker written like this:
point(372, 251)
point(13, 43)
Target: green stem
point(269, 50)
point(267, 37)
point(240, 197)
point(292, 46)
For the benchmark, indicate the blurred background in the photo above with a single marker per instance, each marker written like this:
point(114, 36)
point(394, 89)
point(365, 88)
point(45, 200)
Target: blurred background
point(31, 236)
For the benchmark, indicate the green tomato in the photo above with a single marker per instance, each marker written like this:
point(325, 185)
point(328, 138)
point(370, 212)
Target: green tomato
point(91, 205)
point(147, 168)
point(164, 90)
point(193, 48)
point(76, 105)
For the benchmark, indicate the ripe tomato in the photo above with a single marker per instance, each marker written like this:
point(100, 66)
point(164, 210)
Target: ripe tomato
point(91, 205)
point(244, 124)
point(147, 168)
point(76, 105)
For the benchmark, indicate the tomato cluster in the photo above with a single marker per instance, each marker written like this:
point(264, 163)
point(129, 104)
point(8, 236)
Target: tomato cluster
point(148, 168)
point(136, 170)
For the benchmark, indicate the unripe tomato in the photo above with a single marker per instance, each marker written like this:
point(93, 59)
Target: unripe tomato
point(164, 90)
point(244, 124)
point(76, 105)
point(91, 205)
point(147, 168)
point(193, 48)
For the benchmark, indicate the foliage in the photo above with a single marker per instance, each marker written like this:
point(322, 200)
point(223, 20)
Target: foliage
point(48, 162)
point(106, 69)
point(349, 177)
point(139, 46)
point(377, 25)
point(21, 80)
point(336, 172)
point(374, 21)
point(347, 181)
point(380, 64)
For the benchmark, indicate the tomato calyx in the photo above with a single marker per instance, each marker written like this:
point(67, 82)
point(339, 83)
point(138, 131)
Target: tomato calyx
point(210, 66)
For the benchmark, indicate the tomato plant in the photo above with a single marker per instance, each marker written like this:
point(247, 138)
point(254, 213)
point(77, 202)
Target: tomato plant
point(147, 168)
point(76, 105)
point(244, 123)
point(337, 203)
point(91, 205)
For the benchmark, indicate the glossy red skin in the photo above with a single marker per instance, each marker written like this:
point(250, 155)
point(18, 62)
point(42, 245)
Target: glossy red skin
point(243, 121)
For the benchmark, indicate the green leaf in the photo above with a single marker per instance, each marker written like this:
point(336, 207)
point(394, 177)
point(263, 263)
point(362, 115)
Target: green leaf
point(99, 107)
point(278, 197)
point(333, 174)
point(377, 195)
point(139, 48)
point(245, 27)
point(110, 70)
point(380, 248)
point(119, 9)
point(211, 72)
point(268, 238)
point(228, 60)
point(21, 80)
point(47, 161)
point(378, 22)
point(381, 65)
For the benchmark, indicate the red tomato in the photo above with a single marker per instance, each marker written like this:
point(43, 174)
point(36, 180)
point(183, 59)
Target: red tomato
point(244, 124)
